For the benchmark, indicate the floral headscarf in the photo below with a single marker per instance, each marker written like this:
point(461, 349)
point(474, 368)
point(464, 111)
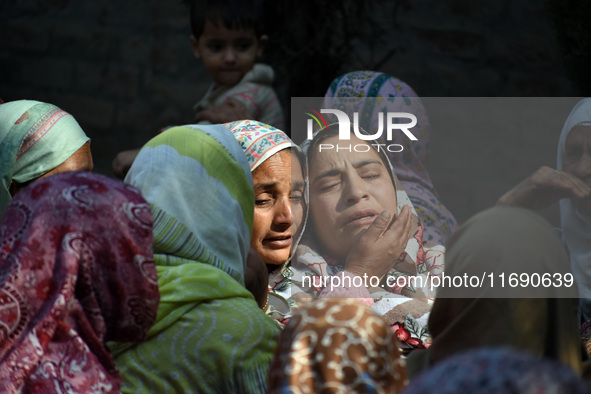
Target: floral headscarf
point(259, 142)
point(370, 93)
point(77, 270)
point(400, 306)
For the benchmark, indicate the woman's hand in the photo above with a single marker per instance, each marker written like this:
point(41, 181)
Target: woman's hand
point(545, 187)
point(377, 249)
point(123, 162)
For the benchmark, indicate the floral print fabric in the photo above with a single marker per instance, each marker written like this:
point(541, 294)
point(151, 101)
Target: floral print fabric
point(77, 270)
point(337, 346)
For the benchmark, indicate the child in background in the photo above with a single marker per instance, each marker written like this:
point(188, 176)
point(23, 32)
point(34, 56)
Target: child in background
point(228, 38)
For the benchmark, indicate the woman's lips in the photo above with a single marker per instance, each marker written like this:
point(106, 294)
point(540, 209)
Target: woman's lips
point(279, 242)
point(363, 217)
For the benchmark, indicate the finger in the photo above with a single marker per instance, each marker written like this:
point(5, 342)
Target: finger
point(379, 226)
point(398, 229)
point(578, 188)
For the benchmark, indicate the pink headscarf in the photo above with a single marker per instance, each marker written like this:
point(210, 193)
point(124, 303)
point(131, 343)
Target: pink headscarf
point(393, 95)
point(77, 270)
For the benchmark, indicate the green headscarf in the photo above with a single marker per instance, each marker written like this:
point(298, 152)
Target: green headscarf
point(35, 138)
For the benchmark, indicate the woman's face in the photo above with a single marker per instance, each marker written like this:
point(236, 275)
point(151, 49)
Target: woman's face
point(272, 228)
point(577, 161)
point(348, 190)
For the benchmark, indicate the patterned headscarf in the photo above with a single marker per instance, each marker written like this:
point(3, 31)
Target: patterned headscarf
point(575, 225)
point(209, 335)
point(350, 93)
point(337, 346)
point(259, 141)
point(35, 138)
point(397, 305)
point(497, 371)
point(77, 270)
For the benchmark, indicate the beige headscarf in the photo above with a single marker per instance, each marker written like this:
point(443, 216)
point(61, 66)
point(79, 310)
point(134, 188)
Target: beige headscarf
point(504, 240)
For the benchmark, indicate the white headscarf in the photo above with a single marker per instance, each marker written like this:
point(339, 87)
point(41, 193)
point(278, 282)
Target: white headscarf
point(576, 225)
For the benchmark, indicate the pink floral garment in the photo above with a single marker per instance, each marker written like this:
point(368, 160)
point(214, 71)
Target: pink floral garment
point(76, 270)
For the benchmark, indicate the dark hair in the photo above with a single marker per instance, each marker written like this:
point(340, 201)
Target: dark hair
point(234, 14)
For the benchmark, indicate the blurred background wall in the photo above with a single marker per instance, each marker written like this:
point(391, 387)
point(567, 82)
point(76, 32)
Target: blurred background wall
point(124, 69)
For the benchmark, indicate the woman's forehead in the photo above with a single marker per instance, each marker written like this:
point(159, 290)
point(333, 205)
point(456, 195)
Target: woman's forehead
point(334, 152)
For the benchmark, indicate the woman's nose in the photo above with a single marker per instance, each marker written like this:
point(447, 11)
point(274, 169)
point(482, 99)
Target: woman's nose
point(355, 189)
point(282, 212)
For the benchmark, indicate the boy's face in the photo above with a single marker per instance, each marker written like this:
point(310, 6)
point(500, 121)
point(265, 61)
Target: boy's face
point(227, 54)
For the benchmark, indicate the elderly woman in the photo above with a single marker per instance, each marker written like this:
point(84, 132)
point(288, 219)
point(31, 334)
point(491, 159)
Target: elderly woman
point(77, 270)
point(570, 184)
point(363, 238)
point(209, 335)
point(371, 93)
point(37, 140)
point(280, 209)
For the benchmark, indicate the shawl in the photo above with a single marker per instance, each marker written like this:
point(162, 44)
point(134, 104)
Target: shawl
point(77, 270)
point(370, 93)
point(35, 138)
point(255, 91)
point(498, 371)
point(404, 308)
point(259, 142)
point(337, 345)
point(504, 240)
point(209, 335)
point(575, 225)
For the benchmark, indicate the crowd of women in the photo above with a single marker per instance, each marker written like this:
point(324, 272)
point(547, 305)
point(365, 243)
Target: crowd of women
point(229, 261)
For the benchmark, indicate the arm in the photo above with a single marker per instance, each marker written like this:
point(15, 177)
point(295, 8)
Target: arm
point(543, 188)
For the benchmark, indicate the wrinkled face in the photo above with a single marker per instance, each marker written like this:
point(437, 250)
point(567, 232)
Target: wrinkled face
point(227, 54)
point(577, 161)
point(348, 190)
point(272, 229)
